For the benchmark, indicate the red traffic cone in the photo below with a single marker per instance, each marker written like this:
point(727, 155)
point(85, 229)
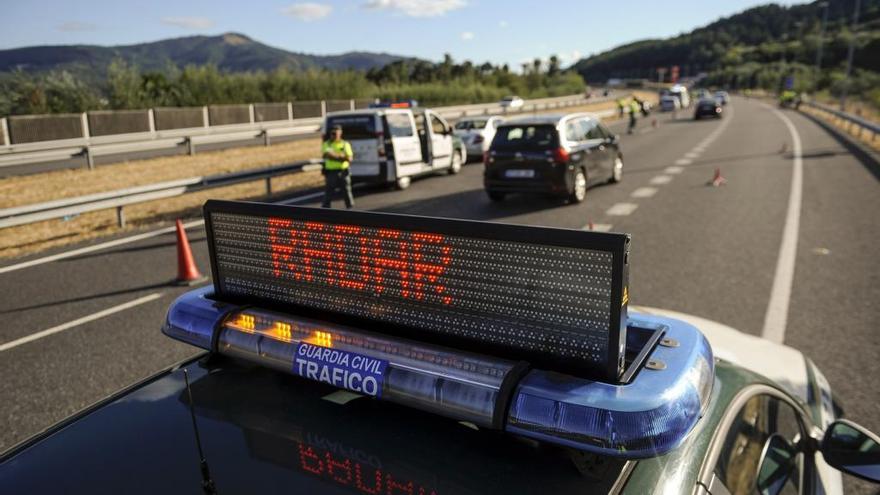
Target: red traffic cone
point(717, 180)
point(590, 226)
point(187, 272)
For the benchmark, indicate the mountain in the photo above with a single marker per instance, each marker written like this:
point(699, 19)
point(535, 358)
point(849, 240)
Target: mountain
point(764, 34)
point(230, 52)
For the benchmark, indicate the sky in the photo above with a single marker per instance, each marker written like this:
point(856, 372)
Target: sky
point(479, 30)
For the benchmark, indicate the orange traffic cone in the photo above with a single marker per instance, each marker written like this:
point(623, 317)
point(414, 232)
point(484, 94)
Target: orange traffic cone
point(187, 272)
point(717, 180)
point(590, 226)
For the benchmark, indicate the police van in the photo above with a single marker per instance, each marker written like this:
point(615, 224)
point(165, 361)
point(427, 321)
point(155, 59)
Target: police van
point(393, 145)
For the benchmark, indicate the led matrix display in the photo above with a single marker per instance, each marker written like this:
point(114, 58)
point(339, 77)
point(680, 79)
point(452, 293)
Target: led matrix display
point(546, 296)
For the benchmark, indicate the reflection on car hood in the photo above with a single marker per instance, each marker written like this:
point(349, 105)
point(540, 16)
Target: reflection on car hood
point(782, 364)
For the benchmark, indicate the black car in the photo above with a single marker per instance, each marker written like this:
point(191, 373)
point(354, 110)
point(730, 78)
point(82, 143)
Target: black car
point(708, 107)
point(557, 154)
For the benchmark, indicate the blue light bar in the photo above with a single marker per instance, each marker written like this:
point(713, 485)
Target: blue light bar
point(650, 415)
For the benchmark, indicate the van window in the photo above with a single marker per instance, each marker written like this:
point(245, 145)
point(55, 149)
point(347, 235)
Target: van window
point(437, 126)
point(525, 137)
point(471, 124)
point(354, 126)
point(399, 124)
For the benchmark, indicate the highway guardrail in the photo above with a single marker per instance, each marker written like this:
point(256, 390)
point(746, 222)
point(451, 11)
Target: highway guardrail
point(851, 120)
point(21, 215)
point(90, 147)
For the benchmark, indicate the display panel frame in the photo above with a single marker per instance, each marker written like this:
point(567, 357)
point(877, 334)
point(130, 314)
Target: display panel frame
point(609, 369)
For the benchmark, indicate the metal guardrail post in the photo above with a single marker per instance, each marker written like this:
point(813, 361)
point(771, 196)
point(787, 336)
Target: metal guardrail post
point(90, 158)
point(289, 110)
point(268, 186)
point(4, 132)
point(190, 146)
point(206, 121)
point(151, 120)
point(323, 108)
point(266, 140)
point(351, 104)
point(84, 118)
point(251, 112)
point(120, 217)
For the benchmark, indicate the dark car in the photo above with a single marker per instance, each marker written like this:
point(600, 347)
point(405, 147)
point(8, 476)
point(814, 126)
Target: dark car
point(557, 154)
point(708, 107)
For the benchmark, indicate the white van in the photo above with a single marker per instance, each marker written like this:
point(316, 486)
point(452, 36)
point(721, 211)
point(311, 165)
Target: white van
point(392, 145)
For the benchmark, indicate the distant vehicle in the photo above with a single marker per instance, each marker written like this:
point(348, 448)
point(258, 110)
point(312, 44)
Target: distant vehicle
point(393, 145)
point(512, 102)
point(477, 134)
point(722, 96)
point(395, 104)
point(708, 107)
point(557, 154)
point(681, 92)
point(669, 103)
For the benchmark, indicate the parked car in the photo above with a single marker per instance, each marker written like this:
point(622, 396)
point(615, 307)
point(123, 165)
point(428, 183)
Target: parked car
point(393, 145)
point(669, 103)
point(722, 96)
point(708, 107)
point(512, 102)
point(558, 154)
point(477, 133)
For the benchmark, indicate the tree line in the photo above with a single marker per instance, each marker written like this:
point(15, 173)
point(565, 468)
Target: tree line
point(128, 87)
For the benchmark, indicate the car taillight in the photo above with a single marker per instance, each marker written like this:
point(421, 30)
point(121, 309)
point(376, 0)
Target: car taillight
point(488, 158)
point(560, 155)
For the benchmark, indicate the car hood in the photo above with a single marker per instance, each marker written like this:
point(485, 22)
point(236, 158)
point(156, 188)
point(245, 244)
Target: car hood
point(782, 364)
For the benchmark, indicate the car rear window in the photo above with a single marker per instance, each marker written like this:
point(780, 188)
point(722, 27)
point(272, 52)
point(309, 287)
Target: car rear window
point(354, 126)
point(399, 124)
point(526, 137)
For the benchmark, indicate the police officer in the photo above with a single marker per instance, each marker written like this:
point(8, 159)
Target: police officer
point(337, 157)
point(633, 112)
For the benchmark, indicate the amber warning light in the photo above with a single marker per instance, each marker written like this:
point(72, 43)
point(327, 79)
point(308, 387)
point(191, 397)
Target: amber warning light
point(552, 297)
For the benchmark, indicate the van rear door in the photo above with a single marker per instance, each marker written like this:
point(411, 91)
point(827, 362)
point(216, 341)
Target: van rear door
point(405, 148)
point(363, 131)
point(441, 141)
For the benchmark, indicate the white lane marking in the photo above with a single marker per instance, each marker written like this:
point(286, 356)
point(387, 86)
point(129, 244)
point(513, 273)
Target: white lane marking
point(780, 295)
point(97, 247)
point(622, 209)
point(700, 149)
point(661, 179)
point(599, 227)
point(644, 192)
point(673, 170)
point(717, 132)
point(79, 321)
point(683, 161)
point(691, 155)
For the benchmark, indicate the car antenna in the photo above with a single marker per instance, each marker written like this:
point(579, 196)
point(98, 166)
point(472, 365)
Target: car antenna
point(207, 482)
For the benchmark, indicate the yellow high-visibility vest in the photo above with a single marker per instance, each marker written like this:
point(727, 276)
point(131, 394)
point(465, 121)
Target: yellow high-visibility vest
point(341, 145)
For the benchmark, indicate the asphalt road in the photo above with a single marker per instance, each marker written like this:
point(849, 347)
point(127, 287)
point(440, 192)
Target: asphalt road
point(707, 251)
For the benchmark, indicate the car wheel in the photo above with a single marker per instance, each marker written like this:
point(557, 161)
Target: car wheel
point(496, 196)
point(579, 189)
point(455, 167)
point(616, 170)
point(403, 182)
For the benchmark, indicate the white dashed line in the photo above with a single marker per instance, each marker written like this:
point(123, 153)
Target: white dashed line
point(691, 155)
point(621, 209)
point(673, 170)
point(683, 161)
point(79, 321)
point(644, 192)
point(599, 227)
point(661, 179)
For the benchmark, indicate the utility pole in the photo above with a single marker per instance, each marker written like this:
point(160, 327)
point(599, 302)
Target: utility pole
point(849, 57)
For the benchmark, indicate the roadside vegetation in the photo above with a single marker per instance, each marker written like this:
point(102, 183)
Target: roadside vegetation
point(127, 87)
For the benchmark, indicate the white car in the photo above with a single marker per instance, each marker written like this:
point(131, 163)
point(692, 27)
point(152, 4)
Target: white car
point(669, 103)
point(512, 102)
point(476, 133)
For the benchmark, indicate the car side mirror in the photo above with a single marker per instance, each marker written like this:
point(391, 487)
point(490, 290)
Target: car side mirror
point(852, 449)
point(777, 464)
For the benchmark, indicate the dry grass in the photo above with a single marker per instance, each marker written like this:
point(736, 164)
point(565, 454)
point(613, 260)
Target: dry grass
point(33, 238)
point(853, 130)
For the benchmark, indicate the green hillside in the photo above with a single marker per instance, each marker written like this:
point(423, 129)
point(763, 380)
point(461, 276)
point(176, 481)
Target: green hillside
point(757, 48)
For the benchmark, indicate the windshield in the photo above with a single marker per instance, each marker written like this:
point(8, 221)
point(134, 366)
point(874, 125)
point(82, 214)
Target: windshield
point(526, 138)
point(471, 124)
